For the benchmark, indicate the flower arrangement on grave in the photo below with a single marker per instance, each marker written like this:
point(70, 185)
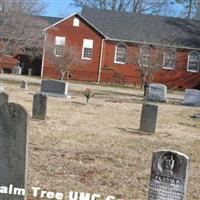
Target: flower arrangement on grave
point(88, 93)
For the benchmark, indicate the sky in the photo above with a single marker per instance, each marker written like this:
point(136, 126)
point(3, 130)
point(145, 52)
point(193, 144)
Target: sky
point(58, 8)
point(62, 8)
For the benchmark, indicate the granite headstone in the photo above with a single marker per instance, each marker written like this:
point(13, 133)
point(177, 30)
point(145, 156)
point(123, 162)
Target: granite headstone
point(13, 148)
point(39, 106)
point(148, 118)
point(169, 175)
point(192, 97)
point(23, 85)
point(3, 98)
point(54, 88)
point(156, 93)
point(30, 72)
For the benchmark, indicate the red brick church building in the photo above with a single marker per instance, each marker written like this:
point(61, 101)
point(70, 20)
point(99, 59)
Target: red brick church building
point(104, 40)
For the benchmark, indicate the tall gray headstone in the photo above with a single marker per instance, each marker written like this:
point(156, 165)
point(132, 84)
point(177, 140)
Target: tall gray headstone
point(169, 175)
point(3, 98)
point(148, 118)
point(39, 106)
point(13, 148)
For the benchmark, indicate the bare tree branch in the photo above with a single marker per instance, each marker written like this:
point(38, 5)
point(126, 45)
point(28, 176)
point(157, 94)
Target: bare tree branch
point(65, 62)
point(133, 6)
point(19, 28)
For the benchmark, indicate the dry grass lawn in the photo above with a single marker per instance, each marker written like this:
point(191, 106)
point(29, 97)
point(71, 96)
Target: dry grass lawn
point(96, 148)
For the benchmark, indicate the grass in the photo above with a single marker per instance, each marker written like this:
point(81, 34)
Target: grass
point(96, 148)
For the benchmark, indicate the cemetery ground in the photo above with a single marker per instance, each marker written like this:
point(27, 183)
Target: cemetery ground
point(97, 148)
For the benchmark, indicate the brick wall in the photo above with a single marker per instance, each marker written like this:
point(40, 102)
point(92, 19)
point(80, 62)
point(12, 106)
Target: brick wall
point(111, 72)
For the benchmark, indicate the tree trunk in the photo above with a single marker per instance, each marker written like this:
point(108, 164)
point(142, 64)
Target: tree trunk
point(189, 9)
point(67, 74)
point(62, 76)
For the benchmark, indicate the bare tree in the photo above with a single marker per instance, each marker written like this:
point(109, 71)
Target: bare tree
point(133, 6)
point(64, 57)
point(190, 8)
point(29, 7)
point(20, 30)
point(149, 59)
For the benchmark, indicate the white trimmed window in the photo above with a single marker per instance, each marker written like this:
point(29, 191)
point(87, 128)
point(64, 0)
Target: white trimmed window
point(76, 22)
point(145, 55)
point(169, 60)
point(120, 53)
point(193, 61)
point(59, 45)
point(87, 49)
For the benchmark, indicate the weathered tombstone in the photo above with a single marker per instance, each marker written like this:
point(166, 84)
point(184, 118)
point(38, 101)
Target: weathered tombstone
point(3, 98)
point(13, 149)
point(169, 175)
point(148, 118)
point(23, 85)
point(17, 70)
point(192, 97)
point(196, 116)
point(1, 87)
point(39, 106)
point(54, 88)
point(156, 93)
point(30, 72)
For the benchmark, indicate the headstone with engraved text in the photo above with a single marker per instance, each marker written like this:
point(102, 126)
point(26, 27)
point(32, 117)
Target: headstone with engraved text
point(169, 175)
point(156, 93)
point(54, 88)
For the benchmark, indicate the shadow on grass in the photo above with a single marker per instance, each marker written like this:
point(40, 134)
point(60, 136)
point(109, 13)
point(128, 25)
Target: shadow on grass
point(142, 133)
point(79, 103)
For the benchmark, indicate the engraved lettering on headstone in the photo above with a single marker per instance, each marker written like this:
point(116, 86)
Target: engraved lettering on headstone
point(169, 174)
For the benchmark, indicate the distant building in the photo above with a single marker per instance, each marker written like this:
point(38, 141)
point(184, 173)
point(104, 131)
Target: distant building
point(105, 38)
point(7, 62)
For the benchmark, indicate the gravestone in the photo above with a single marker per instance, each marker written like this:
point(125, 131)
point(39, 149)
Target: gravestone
point(148, 118)
point(54, 88)
point(196, 116)
point(169, 175)
point(156, 93)
point(192, 97)
point(3, 98)
point(23, 85)
point(30, 72)
point(1, 87)
point(17, 70)
point(39, 106)
point(13, 148)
